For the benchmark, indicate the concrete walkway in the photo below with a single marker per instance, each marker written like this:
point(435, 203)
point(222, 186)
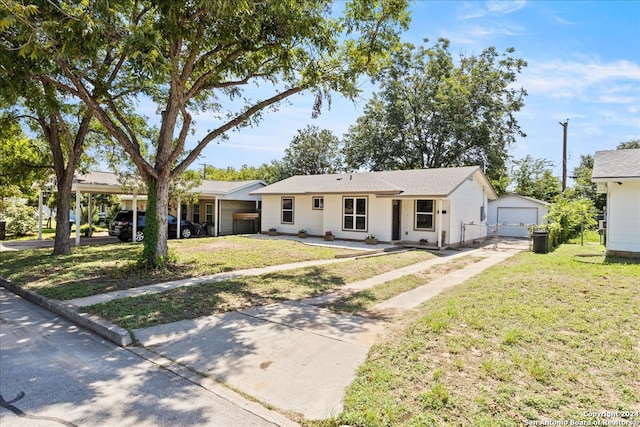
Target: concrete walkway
point(297, 356)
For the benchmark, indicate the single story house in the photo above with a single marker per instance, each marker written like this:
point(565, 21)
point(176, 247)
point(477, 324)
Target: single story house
point(395, 206)
point(511, 214)
point(227, 207)
point(617, 174)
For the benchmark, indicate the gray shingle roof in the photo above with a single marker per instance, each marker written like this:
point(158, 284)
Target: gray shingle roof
point(616, 164)
point(420, 182)
point(110, 180)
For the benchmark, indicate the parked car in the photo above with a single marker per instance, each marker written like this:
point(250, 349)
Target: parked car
point(122, 226)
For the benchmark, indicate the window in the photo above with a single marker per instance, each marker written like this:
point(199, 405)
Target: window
point(287, 210)
point(208, 213)
point(424, 214)
point(354, 213)
point(318, 203)
point(183, 211)
point(196, 213)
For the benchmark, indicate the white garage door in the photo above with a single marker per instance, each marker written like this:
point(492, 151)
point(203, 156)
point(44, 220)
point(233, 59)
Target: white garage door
point(514, 217)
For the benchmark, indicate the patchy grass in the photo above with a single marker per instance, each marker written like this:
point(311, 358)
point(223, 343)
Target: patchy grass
point(539, 337)
point(229, 295)
point(91, 270)
point(361, 301)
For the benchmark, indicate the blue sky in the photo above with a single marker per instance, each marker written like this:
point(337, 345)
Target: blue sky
point(583, 65)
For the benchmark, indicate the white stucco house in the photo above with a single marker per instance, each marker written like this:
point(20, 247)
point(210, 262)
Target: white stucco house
point(395, 206)
point(511, 214)
point(617, 174)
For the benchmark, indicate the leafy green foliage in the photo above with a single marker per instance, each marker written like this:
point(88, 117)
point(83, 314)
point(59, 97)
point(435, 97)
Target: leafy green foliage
point(635, 143)
point(584, 188)
point(571, 214)
point(432, 113)
point(534, 178)
point(194, 58)
point(313, 152)
point(21, 219)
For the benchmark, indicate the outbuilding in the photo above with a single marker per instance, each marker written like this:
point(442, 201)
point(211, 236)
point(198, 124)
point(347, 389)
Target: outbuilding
point(512, 214)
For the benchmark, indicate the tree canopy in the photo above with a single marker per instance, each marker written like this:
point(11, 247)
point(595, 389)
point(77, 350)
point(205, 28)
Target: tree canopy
point(431, 112)
point(194, 58)
point(313, 152)
point(534, 178)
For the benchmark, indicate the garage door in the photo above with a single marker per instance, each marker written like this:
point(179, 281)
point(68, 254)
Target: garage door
point(514, 217)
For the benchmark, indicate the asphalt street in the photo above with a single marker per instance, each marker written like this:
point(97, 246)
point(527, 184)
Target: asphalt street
point(54, 373)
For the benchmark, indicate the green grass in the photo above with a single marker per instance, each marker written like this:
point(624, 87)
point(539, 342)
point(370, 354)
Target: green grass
point(538, 337)
point(361, 301)
point(90, 270)
point(219, 297)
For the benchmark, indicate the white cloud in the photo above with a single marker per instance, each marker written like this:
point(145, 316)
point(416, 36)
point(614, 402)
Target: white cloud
point(593, 81)
point(500, 7)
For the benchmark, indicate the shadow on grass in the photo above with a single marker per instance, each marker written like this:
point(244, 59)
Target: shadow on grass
point(602, 259)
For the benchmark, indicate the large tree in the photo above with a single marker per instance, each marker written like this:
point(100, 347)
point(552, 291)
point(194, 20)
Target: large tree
point(432, 111)
point(313, 151)
point(534, 178)
point(193, 58)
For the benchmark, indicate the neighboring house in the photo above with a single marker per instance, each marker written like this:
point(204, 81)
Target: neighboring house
point(617, 174)
point(510, 215)
point(395, 206)
point(226, 206)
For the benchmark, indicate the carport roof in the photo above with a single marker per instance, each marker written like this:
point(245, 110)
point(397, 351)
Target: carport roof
point(98, 182)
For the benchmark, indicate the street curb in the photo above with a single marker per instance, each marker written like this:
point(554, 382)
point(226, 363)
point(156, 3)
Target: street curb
point(105, 329)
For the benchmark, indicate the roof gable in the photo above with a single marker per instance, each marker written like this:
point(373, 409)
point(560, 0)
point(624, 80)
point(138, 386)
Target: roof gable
point(518, 196)
point(616, 164)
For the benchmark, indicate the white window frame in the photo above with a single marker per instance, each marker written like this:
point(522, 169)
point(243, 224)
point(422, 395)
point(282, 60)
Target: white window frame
point(355, 215)
point(208, 213)
point(317, 203)
point(431, 213)
point(195, 211)
point(283, 210)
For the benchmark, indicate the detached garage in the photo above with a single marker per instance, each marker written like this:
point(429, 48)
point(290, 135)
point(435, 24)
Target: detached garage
point(511, 214)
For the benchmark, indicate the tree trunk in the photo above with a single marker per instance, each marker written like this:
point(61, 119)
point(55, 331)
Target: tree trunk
point(62, 243)
point(156, 233)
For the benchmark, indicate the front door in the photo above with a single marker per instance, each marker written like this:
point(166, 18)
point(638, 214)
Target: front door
point(395, 234)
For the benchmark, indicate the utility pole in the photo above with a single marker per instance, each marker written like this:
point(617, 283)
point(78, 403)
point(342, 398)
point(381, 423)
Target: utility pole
point(564, 154)
point(204, 169)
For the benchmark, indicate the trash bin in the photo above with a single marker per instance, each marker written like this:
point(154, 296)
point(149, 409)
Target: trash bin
point(540, 242)
point(3, 230)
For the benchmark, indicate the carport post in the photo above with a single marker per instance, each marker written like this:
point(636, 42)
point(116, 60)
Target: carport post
point(216, 219)
point(439, 222)
point(134, 220)
point(40, 214)
point(179, 213)
point(78, 217)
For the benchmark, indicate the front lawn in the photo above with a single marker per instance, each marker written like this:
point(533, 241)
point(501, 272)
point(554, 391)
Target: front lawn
point(91, 270)
point(540, 337)
point(229, 295)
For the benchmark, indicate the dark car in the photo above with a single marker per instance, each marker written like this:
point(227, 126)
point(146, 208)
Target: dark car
point(122, 226)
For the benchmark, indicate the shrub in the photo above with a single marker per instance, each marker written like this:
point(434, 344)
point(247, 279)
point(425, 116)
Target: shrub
point(21, 219)
point(570, 215)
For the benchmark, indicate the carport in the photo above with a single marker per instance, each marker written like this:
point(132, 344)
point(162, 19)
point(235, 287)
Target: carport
point(220, 199)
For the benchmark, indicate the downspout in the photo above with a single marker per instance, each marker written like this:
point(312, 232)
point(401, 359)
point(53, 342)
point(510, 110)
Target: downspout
point(216, 217)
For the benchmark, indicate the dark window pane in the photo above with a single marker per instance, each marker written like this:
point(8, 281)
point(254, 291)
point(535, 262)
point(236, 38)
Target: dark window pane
point(348, 223)
point(361, 206)
point(424, 221)
point(287, 203)
point(361, 223)
point(287, 216)
point(424, 206)
point(348, 206)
